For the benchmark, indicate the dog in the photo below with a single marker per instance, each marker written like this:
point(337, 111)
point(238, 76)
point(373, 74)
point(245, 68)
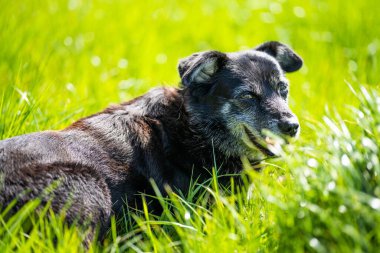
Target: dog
point(103, 162)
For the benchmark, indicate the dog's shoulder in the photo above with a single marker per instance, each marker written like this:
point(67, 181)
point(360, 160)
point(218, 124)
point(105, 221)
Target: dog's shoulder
point(157, 102)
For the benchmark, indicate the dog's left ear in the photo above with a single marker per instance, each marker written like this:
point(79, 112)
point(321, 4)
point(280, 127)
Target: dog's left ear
point(200, 67)
point(286, 57)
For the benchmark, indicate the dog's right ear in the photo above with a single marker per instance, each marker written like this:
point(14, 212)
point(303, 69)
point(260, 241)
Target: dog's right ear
point(286, 57)
point(200, 67)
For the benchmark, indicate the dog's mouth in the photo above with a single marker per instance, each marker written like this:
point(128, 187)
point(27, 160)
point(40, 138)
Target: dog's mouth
point(261, 145)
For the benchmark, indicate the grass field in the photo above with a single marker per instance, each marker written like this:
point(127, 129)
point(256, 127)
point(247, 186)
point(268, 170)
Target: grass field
point(62, 60)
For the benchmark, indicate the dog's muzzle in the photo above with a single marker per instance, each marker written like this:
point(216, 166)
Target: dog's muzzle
point(259, 144)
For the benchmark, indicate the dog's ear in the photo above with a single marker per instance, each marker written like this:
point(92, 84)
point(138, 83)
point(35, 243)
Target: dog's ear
point(286, 57)
point(200, 67)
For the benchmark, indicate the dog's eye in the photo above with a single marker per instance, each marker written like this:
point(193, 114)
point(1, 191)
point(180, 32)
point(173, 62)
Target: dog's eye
point(247, 96)
point(282, 88)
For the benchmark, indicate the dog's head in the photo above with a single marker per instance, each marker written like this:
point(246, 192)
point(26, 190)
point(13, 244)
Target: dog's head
point(231, 96)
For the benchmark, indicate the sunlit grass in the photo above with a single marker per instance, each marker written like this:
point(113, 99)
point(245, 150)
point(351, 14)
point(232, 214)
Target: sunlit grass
point(61, 60)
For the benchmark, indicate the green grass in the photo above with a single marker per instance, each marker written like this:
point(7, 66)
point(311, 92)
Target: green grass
point(62, 60)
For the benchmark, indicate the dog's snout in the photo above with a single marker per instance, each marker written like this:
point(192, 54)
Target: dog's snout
point(289, 127)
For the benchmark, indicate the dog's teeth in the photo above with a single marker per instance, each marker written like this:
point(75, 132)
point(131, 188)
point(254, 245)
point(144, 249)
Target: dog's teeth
point(275, 147)
point(270, 141)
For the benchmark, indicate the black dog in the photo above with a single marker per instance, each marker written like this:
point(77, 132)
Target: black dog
point(169, 135)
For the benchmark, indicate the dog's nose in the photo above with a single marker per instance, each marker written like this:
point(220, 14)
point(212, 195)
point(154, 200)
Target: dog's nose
point(289, 127)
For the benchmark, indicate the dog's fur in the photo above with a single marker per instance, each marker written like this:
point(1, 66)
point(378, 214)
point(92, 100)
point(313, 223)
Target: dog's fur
point(104, 161)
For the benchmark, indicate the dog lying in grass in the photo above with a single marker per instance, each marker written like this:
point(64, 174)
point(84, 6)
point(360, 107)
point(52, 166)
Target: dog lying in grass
point(103, 162)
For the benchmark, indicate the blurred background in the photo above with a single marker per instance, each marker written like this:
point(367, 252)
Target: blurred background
point(60, 60)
